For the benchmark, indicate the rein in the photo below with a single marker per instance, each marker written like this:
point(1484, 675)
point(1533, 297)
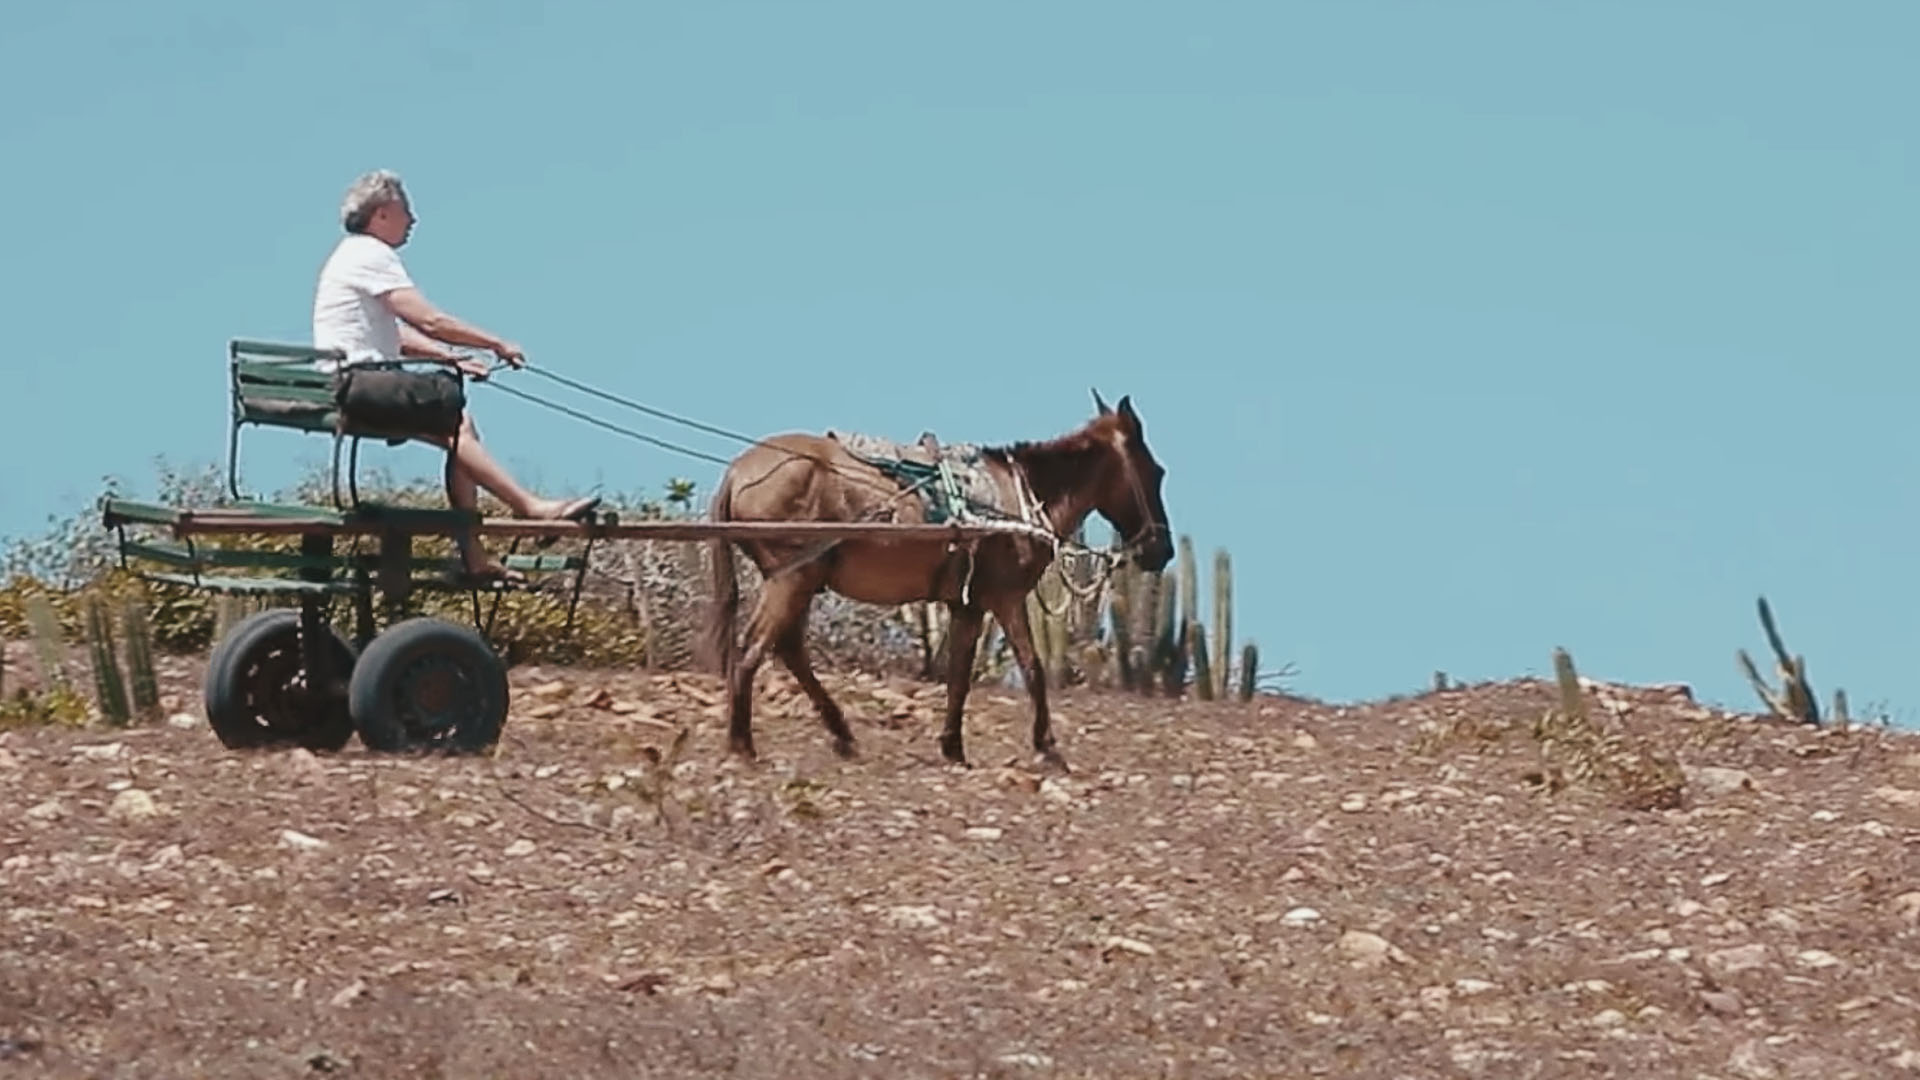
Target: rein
point(1032, 515)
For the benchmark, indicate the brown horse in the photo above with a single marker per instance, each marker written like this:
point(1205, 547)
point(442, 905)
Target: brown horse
point(1103, 467)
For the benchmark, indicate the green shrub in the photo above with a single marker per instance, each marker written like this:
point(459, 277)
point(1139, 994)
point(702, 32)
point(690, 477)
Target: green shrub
point(60, 705)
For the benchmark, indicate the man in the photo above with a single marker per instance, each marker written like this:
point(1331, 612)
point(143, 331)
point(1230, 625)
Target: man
point(368, 306)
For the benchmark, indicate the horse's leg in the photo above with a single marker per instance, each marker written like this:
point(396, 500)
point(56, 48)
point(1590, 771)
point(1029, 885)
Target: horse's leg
point(1011, 609)
point(740, 689)
point(783, 604)
point(792, 647)
point(963, 637)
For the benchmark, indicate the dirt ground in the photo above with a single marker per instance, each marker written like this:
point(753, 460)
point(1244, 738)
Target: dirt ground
point(1412, 889)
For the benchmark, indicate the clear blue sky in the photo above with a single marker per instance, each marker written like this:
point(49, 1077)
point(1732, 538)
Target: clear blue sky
point(1470, 328)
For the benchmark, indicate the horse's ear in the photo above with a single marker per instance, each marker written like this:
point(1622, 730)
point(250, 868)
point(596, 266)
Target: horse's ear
point(1102, 404)
point(1126, 407)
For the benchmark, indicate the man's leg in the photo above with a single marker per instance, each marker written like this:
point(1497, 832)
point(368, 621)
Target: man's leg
point(463, 494)
point(470, 466)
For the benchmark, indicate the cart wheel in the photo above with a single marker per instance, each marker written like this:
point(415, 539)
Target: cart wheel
point(428, 684)
point(256, 690)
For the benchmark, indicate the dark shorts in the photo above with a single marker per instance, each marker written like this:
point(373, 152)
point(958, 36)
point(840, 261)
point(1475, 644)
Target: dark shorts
point(396, 404)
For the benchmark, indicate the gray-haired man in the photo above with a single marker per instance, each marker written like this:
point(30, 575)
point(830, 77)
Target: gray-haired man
point(366, 305)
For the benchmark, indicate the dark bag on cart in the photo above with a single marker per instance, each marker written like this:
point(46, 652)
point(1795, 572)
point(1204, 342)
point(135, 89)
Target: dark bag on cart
point(391, 402)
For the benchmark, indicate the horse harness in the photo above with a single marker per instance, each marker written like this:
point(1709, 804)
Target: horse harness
point(955, 485)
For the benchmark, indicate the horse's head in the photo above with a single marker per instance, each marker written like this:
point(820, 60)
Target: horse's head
point(1128, 492)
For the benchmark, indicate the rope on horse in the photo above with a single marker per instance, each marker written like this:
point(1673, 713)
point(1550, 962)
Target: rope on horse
point(984, 513)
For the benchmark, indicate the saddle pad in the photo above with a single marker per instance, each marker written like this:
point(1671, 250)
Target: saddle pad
point(953, 479)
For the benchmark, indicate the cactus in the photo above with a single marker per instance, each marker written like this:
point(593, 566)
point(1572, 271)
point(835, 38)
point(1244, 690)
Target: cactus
point(1202, 664)
point(1168, 640)
point(986, 649)
point(1083, 597)
point(1174, 676)
point(109, 688)
point(1795, 701)
point(1141, 607)
point(1249, 670)
point(1840, 718)
point(1152, 588)
point(1120, 613)
point(1222, 636)
point(1060, 648)
point(1047, 619)
point(1189, 584)
point(1191, 642)
point(139, 636)
point(47, 641)
point(1163, 609)
point(1056, 619)
point(1573, 704)
point(1160, 636)
point(921, 619)
point(1146, 609)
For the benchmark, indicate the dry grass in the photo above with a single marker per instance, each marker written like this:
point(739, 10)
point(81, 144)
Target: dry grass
point(1287, 889)
point(1574, 746)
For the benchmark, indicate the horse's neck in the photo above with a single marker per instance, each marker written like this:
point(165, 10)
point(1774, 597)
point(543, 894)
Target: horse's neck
point(1059, 475)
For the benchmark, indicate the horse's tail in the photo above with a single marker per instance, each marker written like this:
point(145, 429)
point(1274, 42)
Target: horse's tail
point(725, 603)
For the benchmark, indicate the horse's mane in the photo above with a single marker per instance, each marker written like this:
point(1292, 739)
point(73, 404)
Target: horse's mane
point(1026, 451)
point(1052, 465)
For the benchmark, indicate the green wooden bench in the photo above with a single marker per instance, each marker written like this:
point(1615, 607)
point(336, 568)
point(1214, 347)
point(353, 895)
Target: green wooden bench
point(273, 384)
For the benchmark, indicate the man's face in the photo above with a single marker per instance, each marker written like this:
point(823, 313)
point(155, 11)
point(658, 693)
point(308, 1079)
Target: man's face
point(392, 223)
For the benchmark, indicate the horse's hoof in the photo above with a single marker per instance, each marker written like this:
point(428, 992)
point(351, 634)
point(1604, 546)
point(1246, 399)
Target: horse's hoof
point(1051, 760)
point(844, 748)
point(742, 749)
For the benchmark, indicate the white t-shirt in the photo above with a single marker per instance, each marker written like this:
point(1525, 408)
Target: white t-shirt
point(350, 309)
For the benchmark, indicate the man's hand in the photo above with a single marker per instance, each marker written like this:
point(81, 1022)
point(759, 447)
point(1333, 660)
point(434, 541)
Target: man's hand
point(511, 353)
point(472, 368)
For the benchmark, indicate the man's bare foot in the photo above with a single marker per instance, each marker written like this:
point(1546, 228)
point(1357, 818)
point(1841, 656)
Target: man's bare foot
point(562, 509)
point(491, 570)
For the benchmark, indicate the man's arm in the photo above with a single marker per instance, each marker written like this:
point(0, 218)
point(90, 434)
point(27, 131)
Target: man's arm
point(415, 310)
point(419, 346)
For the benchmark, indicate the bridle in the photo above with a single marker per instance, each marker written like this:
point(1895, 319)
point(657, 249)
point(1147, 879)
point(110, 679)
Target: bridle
point(1149, 528)
point(1109, 560)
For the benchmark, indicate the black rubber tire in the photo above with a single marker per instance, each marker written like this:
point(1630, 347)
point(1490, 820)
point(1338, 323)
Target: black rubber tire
point(250, 694)
point(429, 685)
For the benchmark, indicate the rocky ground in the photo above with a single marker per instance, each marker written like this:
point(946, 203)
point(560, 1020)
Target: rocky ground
point(1431, 887)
